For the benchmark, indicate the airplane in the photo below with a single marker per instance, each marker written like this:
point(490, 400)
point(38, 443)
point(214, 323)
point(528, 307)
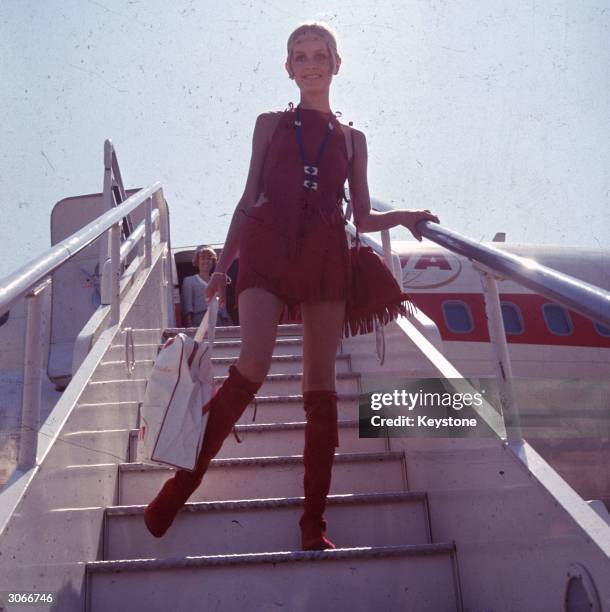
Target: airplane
point(515, 518)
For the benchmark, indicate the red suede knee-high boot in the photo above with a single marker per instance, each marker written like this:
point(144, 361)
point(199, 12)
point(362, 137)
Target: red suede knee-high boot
point(227, 405)
point(321, 438)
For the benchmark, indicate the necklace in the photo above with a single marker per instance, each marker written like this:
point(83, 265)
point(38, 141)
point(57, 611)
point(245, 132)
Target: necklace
point(311, 169)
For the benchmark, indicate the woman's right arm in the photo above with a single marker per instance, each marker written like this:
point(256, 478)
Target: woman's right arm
point(260, 140)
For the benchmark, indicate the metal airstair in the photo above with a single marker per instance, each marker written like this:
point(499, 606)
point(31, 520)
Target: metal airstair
point(236, 543)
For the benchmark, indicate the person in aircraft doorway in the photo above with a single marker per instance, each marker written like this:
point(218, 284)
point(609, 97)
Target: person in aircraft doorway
point(194, 303)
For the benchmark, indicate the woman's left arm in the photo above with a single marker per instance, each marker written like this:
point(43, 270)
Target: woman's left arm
point(372, 220)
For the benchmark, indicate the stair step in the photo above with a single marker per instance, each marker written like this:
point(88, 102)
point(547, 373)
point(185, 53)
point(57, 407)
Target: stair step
point(416, 577)
point(155, 335)
point(222, 348)
point(117, 414)
point(280, 364)
point(90, 447)
point(111, 391)
point(263, 525)
point(283, 346)
point(234, 331)
point(259, 440)
point(289, 408)
point(124, 414)
point(142, 351)
point(114, 415)
point(264, 477)
point(81, 493)
point(117, 370)
point(132, 389)
point(290, 384)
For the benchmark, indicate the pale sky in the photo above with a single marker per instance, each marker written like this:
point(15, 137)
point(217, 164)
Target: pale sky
point(495, 114)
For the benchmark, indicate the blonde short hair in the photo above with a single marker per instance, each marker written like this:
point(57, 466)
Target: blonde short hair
point(324, 31)
point(209, 251)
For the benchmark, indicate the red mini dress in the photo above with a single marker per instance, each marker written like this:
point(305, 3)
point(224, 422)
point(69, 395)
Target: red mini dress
point(294, 244)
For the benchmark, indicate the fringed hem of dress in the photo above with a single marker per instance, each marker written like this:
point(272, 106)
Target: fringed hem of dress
point(357, 322)
point(259, 281)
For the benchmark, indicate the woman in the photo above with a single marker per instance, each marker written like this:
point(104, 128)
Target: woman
point(194, 304)
point(289, 230)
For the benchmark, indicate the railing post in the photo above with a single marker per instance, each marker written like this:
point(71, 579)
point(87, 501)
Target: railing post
point(107, 202)
point(115, 274)
point(387, 249)
point(397, 269)
point(163, 215)
point(148, 234)
point(390, 260)
point(30, 405)
point(497, 336)
point(165, 292)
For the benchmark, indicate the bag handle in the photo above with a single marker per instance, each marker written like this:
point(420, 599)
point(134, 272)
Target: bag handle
point(208, 323)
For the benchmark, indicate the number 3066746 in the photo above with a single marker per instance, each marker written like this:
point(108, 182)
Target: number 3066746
point(26, 597)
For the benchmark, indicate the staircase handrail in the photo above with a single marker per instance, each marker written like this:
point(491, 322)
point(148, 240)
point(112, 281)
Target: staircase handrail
point(17, 284)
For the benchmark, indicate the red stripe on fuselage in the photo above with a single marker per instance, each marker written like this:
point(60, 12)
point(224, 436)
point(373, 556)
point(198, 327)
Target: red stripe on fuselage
point(535, 328)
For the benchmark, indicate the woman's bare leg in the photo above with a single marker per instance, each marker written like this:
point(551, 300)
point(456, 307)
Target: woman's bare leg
point(323, 323)
point(259, 315)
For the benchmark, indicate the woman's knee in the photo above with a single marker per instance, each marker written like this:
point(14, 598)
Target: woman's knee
point(254, 367)
point(319, 376)
point(321, 385)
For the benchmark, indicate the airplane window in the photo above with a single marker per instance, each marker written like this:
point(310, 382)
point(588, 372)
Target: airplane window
point(511, 315)
point(557, 319)
point(458, 317)
point(602, 330)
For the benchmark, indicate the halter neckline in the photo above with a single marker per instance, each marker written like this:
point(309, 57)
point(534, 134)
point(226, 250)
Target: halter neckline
point(315, 110)
point(292, 108)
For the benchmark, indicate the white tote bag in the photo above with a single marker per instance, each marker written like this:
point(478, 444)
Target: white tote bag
point(180, 384)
